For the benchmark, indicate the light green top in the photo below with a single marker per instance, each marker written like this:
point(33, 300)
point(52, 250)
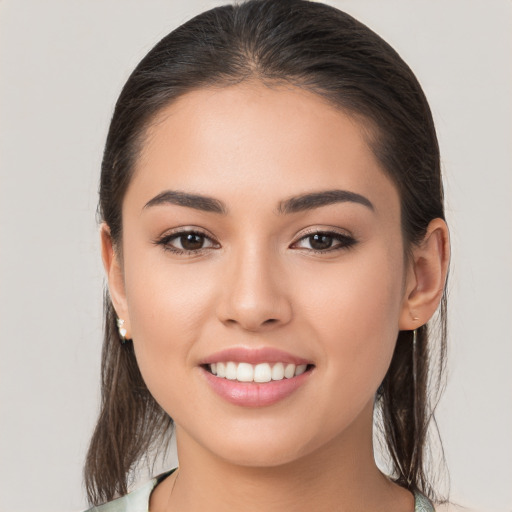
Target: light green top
point(135, 501)
point(138, 500)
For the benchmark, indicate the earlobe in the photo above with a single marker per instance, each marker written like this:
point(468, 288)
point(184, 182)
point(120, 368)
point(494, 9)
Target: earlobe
point(114, 273)
point(426, 277)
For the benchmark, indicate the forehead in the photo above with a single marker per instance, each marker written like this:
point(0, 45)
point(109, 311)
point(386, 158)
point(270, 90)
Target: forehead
point(252, 139)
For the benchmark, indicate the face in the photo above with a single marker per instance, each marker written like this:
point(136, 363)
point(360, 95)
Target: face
point(292, 263)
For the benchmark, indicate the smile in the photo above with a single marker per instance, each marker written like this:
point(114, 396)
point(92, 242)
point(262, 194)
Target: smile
point(260, 373)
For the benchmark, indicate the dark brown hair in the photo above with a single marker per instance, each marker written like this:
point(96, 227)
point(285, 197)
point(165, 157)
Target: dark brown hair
point(326, 51)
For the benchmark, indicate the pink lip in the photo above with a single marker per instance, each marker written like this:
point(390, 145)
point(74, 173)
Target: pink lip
point(252, 394)
point(253, 356)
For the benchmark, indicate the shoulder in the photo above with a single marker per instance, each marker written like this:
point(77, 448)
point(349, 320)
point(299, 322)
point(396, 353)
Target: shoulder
point(422, 503)
point(135, 501)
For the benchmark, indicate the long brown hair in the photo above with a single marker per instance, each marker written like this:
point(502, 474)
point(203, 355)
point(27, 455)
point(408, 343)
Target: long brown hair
point(326, 51)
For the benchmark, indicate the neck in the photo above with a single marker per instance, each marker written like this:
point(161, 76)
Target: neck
point(341, 475)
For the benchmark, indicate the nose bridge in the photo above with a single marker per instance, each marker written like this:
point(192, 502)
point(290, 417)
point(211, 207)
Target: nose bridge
point(255, 294)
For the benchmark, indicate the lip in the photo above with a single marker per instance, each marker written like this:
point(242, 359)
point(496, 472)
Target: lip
point(253, 356)
point(253, 394)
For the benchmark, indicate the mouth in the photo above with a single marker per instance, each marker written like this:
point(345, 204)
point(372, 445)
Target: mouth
point(258, 373)
point(255, 377)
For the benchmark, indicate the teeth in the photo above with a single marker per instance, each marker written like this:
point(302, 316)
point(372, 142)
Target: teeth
point(300, 369)
point(221, 370)
point(263, 372)
point(245, 372)
point(231, 371)
point(278, 371)
point(289, 371)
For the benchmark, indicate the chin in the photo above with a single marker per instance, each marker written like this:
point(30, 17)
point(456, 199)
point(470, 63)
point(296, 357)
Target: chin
point(259, 457)
point(260, 446)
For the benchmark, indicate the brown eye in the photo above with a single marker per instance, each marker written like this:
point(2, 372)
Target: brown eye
point(191, 241)
point(186, 242)
point(320, 241)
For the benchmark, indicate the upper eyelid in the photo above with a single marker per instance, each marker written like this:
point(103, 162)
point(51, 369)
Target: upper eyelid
point(330, 231)
point(184, 231)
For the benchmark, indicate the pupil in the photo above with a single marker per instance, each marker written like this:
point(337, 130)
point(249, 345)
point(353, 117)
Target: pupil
point(191, 241)
point(320, 241)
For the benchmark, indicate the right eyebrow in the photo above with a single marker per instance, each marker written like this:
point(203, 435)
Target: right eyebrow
point(199, 202)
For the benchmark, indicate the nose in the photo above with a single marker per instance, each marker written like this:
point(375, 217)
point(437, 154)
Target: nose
point(255, 295)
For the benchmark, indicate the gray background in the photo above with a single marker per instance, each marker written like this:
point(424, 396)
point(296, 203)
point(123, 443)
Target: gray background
point(62, 64)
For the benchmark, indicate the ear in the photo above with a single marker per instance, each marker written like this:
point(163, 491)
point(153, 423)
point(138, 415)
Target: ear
point(426, 276)
point(114, 272)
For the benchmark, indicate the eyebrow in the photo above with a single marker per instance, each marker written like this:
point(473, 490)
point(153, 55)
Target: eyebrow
point(197, 201)
point(294, 204)
point(317, 199)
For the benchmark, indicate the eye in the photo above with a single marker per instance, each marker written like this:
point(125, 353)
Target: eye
point(325, 241)
point(186, 242)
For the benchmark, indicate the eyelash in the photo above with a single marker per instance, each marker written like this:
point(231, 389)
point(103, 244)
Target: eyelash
point(346, 241)
point(166, 240)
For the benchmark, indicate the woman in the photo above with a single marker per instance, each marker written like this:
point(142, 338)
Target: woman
point(274, 241)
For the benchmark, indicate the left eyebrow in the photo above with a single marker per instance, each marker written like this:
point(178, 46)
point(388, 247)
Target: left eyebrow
point(318, 199)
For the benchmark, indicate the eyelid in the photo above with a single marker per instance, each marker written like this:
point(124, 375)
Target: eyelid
point(183, 230)
point(325, 230)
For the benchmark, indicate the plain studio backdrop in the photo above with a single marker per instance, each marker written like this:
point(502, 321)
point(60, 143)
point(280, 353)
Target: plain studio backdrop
point(62, 65)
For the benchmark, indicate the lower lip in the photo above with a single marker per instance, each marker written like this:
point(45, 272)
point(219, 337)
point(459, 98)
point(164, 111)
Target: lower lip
point(253, 394)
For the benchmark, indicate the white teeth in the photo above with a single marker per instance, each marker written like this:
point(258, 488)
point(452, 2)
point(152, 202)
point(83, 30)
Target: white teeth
point(262, 372)
point(300, 369)
point(231, 371)
point(221, 370)
point(278, 371)
point(245, 372)
point(289, 371)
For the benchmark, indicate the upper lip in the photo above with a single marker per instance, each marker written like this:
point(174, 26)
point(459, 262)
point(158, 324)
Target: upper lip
point(253, 356)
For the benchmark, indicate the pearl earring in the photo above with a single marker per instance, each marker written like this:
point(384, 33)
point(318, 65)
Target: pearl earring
point(122, 330)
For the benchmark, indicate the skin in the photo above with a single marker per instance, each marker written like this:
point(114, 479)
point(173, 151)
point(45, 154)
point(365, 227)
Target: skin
point(257, 283)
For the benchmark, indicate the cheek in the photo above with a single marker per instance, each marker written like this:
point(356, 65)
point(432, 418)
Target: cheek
point(167, 303)
point(354, 311)
point(171, 306)
point(163, 294)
